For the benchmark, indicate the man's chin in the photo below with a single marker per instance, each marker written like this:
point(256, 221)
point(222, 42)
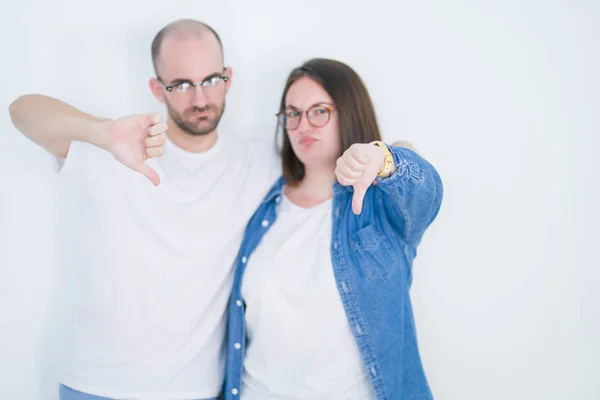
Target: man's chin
point(198, 132)
point(200, 129)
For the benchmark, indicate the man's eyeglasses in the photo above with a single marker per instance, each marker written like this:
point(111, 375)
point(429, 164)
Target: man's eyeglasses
point(184, 87)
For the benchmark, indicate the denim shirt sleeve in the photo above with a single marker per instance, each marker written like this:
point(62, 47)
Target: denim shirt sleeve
point(413, 194)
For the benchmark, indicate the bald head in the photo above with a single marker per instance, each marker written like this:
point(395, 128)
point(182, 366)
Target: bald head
point(181, 30)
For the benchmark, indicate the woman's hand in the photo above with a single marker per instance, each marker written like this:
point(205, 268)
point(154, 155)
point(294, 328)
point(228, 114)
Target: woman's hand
point(358, 167)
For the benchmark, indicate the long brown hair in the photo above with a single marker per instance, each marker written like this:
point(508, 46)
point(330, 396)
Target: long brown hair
point(356, 114)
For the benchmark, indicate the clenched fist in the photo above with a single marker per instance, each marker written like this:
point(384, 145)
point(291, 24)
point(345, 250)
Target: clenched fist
point(358, 167)
point(134, 139)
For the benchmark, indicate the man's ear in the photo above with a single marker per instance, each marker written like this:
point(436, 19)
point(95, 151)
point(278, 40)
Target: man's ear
point(157, 90)
point(228, 72)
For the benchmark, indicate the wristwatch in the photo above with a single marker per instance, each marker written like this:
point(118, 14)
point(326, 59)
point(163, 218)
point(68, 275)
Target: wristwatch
point(388, 159)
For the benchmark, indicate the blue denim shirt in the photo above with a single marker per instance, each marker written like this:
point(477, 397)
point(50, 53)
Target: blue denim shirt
point(372, 255)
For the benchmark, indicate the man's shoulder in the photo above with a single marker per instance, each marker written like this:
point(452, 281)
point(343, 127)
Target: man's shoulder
point(253, 143)
point(253, 147)
point(260, 156)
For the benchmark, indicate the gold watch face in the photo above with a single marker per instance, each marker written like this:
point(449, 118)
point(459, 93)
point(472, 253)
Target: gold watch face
point(387, 163)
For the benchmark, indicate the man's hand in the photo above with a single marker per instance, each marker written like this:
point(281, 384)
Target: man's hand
point(406, 145)
point(358, 167)
point(134, 139)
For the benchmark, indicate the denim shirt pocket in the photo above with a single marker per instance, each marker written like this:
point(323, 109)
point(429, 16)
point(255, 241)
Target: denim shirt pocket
point(373, 252)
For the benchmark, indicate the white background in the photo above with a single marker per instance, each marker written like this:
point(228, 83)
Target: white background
point(501, 96)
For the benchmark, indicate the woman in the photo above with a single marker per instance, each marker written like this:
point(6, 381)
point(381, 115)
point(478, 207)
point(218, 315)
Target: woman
point(320, 306)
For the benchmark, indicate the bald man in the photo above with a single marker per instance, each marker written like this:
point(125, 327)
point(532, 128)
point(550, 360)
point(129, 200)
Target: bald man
point(161, 233)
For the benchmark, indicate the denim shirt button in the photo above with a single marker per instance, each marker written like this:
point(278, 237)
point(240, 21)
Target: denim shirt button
point(237, 346)
point(335, 245)
point(234, 391)
point(265, 223)
point(244, 260)
point(238, 303)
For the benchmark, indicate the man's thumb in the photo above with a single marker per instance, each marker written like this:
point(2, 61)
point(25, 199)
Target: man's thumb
point(149, 173)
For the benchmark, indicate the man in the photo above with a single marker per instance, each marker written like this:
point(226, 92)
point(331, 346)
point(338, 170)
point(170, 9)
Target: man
point(159, 251)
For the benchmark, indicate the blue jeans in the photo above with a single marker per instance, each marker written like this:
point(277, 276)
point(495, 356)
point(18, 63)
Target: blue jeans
point(66, 393)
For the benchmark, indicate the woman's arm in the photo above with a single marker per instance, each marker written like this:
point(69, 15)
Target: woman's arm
point(413, 191)
point(414, 194)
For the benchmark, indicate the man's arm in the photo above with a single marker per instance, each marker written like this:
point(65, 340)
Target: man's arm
point(53, 124)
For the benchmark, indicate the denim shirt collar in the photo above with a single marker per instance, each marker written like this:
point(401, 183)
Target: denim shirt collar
point(277, 190)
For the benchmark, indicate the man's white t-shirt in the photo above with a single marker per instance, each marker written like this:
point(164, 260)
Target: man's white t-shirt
point(157, 268)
